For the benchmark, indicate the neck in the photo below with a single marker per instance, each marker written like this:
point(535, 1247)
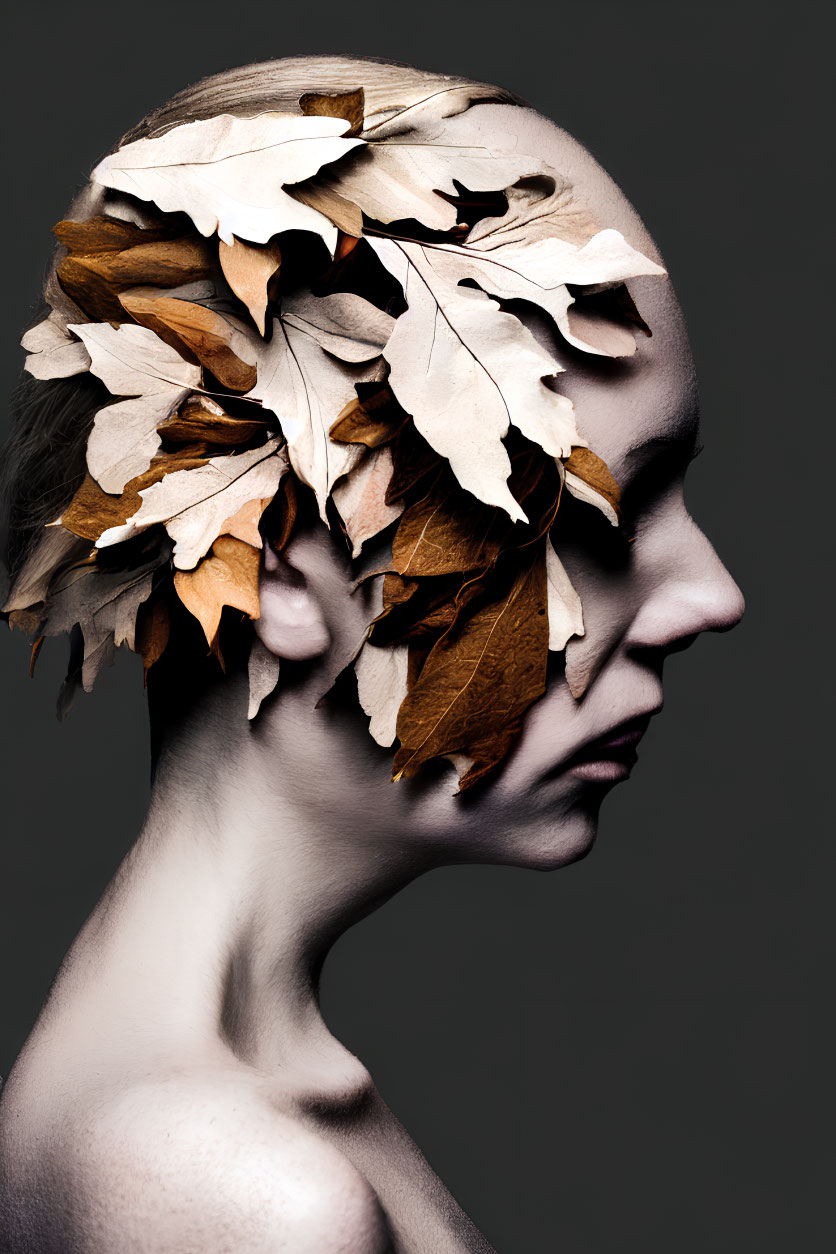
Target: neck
point(218, 923)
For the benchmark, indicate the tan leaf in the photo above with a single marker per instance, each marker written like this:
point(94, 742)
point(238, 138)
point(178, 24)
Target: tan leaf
point(345, 104)
point(588, 479)
point(250, 270)
point(244, 523)
point(218, 342)
point(228, 576)
point(480, 677)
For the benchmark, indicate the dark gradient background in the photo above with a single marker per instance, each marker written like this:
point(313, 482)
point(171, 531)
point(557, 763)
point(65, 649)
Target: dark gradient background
point(630, 1054)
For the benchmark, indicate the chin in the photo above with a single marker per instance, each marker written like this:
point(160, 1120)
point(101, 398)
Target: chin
point(540, 842)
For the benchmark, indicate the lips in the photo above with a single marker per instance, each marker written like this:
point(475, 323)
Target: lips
point(613, 755)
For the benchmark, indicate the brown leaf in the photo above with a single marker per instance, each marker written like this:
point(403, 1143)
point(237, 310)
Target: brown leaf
point(594, 472)
point(480, 677)
point(107, 256)
point(244, 524)
point(228, 576)
point(153, 625)
point(251, 270)
point(278, 525)
point(374, 420)
point(202, 418)
point(92, 510)
point(345, 104)
point(204, 335)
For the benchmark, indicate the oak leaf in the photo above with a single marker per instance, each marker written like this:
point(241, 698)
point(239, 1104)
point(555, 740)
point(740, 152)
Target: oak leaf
point(193, 505)
point(228, 576)
point(479, 679)
point(53, 352)
point(466, 371)
point(132, 362)
point(360, 498)
point(229, 174)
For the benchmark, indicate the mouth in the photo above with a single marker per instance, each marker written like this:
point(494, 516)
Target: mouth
point(612, 756)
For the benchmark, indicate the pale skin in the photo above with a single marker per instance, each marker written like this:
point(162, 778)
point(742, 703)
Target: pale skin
point(180, 1091)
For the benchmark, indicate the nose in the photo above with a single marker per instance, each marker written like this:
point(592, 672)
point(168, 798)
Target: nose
point(690, 592)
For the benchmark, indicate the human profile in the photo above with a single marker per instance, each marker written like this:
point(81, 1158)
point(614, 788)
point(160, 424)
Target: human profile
point(367, 405)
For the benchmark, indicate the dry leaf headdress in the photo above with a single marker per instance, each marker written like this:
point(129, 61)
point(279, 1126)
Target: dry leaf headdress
point(319, 297)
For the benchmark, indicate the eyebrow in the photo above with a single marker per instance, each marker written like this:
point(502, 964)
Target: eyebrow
point(686, 447)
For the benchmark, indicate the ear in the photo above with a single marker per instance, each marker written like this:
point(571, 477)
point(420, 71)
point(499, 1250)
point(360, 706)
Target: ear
point(292, 624)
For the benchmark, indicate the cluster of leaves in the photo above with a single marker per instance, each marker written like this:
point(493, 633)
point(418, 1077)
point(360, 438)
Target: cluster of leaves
point(289, 299)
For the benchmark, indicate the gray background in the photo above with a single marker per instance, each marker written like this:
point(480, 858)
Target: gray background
point(628, 1054)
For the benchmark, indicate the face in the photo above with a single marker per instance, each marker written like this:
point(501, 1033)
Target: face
point(647, 589)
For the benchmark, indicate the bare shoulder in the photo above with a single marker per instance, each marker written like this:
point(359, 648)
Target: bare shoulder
point(197, 1163)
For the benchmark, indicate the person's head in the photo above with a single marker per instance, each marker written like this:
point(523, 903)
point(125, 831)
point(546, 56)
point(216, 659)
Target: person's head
point(521, 618)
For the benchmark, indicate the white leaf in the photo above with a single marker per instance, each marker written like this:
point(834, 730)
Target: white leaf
point(263, 675)
point(360, 498)
point(381, 687)
point(343, 324)
point(228, 174)
point(396, 179)
point(193, 505)
point(307, 388)
point(564, 604)
point(53, 353)
point(134, 362)
point(465, 370)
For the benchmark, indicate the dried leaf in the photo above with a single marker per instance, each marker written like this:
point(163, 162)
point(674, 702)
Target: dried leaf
point(397, 179)
point(244, 523)
point(193, 505)
point(33, 657)
point(93, 511)
point(343, 324)
point(104, 604)
point(228, 173)
point(373, 421)
point(153, 627)
point(480, 678)
point(564, 604)
point(465, 370)
point(106, 257)
point(202, 419)
point(345, 104)
point(588, 478)
point(53, 352)
point(360, 498)
point(263, 674)
point(56, 548)
point(381, 687)
point(133, 362)
point(229, 576)
point(220, 344)
point(250, 269)
point(306, 387)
